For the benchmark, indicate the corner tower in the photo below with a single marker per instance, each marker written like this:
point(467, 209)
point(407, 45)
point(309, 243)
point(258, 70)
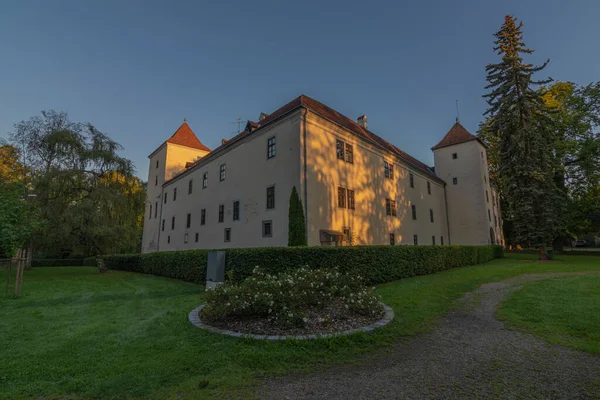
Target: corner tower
point(169, 159)
point(473, 214)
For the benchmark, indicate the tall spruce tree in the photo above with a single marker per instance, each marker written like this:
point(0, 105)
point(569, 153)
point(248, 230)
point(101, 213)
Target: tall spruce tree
point(296, 222)
point(521, 121)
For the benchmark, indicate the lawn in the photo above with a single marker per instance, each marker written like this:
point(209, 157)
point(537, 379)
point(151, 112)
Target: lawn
point(563, 311)
point(125, 335)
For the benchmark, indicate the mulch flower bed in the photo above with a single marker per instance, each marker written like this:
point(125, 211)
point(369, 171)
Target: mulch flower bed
point(334, 317)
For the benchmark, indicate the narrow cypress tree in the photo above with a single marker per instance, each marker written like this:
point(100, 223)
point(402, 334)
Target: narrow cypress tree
point(296, 224)
point(521, 121)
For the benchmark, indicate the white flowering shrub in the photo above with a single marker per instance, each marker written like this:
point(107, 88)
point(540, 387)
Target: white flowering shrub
point(284, 298)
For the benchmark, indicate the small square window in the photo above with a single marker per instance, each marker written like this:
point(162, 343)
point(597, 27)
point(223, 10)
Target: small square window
point(415, 240)
point(172, 223)
point(455, 181)
point(156, 163)
point(185, 238)
point(174, 194)
point(221, 213)
point(205, 180)
point(222, 173)
point(271, 147)
point(267, 228)
point(339, 149)
point(392, 239)
point(411, 178)
point(428, 187)
point(203, 216)
point(163, 225)
point(454, 156)
point(390, 207)
point(414, 211)
point(169, 239)
point(188, 222)
point(228, 234)
point(165, 198)
point(430, 215)
point(236, 210)
point(196, 240)
point(190, 186)
point(388, 170)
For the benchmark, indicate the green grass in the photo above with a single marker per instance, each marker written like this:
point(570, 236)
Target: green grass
point(563, 311)
point(79, 334)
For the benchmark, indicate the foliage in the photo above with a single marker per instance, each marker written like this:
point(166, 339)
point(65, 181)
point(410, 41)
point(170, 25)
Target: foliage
point(564, 311)
point(53, 262)
point(377, 264)
point(284, 297)
point(521, 121)
point(11, 169)
point(121, 324)
point(297, 223)
point(88, 198)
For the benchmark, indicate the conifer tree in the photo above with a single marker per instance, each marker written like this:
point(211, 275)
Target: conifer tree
point(296, 222)
point(521, 121)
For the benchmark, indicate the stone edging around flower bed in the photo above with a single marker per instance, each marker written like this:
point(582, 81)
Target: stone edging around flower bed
point(194, 318)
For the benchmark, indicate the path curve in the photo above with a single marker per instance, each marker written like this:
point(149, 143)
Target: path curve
point(470, 355)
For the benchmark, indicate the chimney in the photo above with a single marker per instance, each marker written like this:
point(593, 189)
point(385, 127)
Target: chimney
point(362, 121)
point(262, 116)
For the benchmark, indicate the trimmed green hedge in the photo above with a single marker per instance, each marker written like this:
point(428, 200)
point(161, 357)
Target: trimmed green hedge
point(89, 262)
point(52, 262)
point(377, 264)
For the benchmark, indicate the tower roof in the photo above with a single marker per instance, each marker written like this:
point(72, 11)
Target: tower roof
point(185, 137)
point(457, 134)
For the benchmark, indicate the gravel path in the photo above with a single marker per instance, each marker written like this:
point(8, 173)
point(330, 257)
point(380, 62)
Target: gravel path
point(470, 355)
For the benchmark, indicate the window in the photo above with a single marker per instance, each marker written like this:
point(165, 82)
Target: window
point(411, 177)
point(454, 156)
point(415, 240)
point(348, 233)
point(495, 221)
point(349, 153)
point(169, 239)
point(350, 199)
point(172, 223)
point(433, 240)
point(339, 148)
point(489, 216)
point(163, 225)
point(188, 223)
point(236, 210)
point(196, 240)
point(270, 197)
point(155, 209)
point(156, 163)
point(267, 228)
point(174, 194)
point(341, 197)
point(150, 212)
point(414, 211)
point(430, 215)
point(165, 198)
point(388, 170)
point(228, 234)
point(221, 213)
point(156, 181)
point(185, 238)
point(203, 216)
point(455, 181)
point(428, 187)
point(190, 186)
point(222, 173)
point(390, 207)
point(205, 180)
point(487, 196)
point(271, 147)
point(392, 239)
point(441, 240)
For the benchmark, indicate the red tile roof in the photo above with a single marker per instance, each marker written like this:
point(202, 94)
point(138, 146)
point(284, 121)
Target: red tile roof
point(457, 134)
point(332, 115)
point(185, 137)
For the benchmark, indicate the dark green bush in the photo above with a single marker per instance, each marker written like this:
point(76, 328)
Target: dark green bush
point(378, 264)
point(52, 262)
point(90, 262)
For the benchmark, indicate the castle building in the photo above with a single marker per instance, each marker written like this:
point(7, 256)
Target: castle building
point(355, 187)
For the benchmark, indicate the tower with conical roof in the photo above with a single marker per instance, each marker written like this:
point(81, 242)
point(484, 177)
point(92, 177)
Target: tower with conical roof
point(473, 207)
point(169, 159)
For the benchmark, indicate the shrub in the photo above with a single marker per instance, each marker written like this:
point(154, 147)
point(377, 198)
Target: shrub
point(90, 262)
point(51, 262)
point(296, 221)
point(285, 297)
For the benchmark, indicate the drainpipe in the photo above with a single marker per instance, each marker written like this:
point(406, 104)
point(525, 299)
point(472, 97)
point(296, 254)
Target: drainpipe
point(305, 177)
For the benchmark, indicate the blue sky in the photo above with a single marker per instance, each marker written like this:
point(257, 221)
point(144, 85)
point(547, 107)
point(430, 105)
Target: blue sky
point(135, 69)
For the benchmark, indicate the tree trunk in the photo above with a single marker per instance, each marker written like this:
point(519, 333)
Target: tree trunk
point(558, 245)
point(100, 263)
point(28, 258)
point(8, 281)
point(543, 253)
point(17, 275)
point(22, 262)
